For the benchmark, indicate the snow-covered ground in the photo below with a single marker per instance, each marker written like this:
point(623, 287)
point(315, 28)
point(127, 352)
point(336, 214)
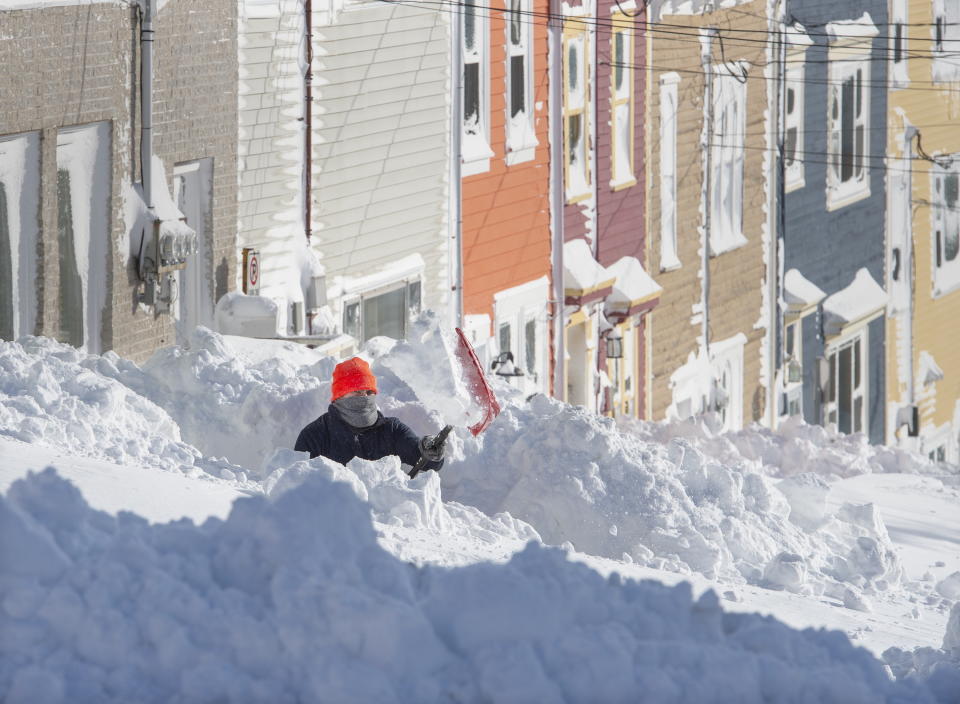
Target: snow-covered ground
point(178, 550)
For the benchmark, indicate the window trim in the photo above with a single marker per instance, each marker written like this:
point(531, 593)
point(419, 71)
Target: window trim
point(669, 246)
point(359, 298)
point(794, 176)
point(475, 151)
point(945, 275)
point(899, 70)
point(728, 147)
point(845, 61)
point(834, 347)
point(521, 142)
point(621, 26)
point(576, 28)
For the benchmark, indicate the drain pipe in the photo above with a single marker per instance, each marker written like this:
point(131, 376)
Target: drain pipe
point(308, 123)
point(456, 184)
point(146, 101)
point(555, 103)
point(707, 61)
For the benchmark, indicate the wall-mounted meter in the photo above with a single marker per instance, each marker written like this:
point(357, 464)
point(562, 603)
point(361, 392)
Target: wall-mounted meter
point(166, 245)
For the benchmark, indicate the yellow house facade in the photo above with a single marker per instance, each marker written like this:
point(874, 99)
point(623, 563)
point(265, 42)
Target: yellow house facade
point(923, 228)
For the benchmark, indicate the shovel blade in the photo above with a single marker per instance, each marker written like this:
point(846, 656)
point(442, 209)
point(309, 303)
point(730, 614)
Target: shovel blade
point(476, 383)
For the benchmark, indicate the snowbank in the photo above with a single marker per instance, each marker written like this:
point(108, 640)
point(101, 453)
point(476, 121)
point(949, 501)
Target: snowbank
point(292, 599)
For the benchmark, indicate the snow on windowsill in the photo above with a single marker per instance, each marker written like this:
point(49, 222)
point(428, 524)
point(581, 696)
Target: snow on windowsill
point(670, 263)
point(726, 243)
point(930, 371)
point(846, 30)
point(475, 155)
point(944, 284)
point(521, 139)
point(628, 182)
point(841, 196)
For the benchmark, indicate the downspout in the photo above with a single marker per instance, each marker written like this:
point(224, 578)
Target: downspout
point(146, 101)
point(555, 76)
point(908, 267)
point(779, 235)
point(456, 176)
point(707, 62)
point(308, 123)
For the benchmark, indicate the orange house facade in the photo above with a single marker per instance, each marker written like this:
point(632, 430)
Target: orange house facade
point(505, 190)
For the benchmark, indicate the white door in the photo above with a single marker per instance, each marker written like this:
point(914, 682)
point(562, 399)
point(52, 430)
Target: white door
point(192, 184)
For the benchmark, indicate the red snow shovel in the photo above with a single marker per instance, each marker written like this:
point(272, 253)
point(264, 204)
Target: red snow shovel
point(480, 392)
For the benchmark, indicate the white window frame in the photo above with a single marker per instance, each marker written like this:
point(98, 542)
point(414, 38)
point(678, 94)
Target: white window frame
point(727, 159)
point(622, 102)
point(364, 296)
point(475, 146)
point(945, 218)
point(517, 307)
point(899, 30)
point(945, 33)
point(793, 119)
point(793, 390)
point(726, 361)
point(521, 135)
point(669, 99)
point(846, 66)
point(20, 165)
point(576, 106)
point(831, 406)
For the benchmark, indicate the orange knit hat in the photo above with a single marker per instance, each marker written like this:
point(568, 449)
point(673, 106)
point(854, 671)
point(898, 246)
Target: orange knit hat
point(352, 375)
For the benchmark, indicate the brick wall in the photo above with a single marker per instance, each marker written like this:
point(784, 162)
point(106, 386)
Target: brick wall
point(74, 65)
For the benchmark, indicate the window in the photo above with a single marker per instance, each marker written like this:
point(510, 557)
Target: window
point(726, 144)
point(849, 110)
point(521, 138)
point(793, 368)
point(945, 212)
point(621, 103)
point(669, 84)
point(385, 313)
point(899, 76)
point(19, 233)
point(793, 127)
point(530, 346)
point(70, 328)
point(575, 114)
point(476, 150)
point(846, 404)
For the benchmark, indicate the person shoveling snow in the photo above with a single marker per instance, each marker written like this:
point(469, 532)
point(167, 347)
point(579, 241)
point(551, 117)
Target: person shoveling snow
point(353, 426)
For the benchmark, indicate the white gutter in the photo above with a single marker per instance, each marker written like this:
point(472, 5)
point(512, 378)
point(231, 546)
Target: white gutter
point(456, 158)
point(146, 101)
point(555, 75)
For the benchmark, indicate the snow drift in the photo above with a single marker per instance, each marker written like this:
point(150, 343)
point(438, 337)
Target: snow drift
point(292, 599)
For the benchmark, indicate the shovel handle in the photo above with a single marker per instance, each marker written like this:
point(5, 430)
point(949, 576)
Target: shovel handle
point(437, 441)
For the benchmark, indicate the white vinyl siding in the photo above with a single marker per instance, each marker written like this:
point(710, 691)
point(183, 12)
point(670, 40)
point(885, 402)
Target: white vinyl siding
point(382, 144)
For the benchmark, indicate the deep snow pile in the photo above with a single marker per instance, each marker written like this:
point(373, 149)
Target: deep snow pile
point(574, 477)
point(794, 448)
point(292, 599)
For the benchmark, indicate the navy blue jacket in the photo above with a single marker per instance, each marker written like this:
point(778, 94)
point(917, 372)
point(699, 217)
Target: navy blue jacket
point(330, 436)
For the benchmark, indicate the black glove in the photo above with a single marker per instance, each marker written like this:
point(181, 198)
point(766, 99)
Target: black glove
point(431, 447)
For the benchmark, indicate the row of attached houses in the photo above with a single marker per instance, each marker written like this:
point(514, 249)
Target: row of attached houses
point(654, 210)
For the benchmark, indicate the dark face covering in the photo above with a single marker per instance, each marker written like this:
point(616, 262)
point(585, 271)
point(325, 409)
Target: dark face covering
point(358, 411)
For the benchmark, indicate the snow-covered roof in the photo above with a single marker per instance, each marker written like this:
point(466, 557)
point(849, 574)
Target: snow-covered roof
point(863, 298)
point(581, 272)
point(799, 292)
point(632, 285)
point(861, 28)
point(930, 371)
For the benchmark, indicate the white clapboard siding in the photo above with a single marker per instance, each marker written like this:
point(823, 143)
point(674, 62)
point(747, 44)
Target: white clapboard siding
point(382, 141)
point(271, 136)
